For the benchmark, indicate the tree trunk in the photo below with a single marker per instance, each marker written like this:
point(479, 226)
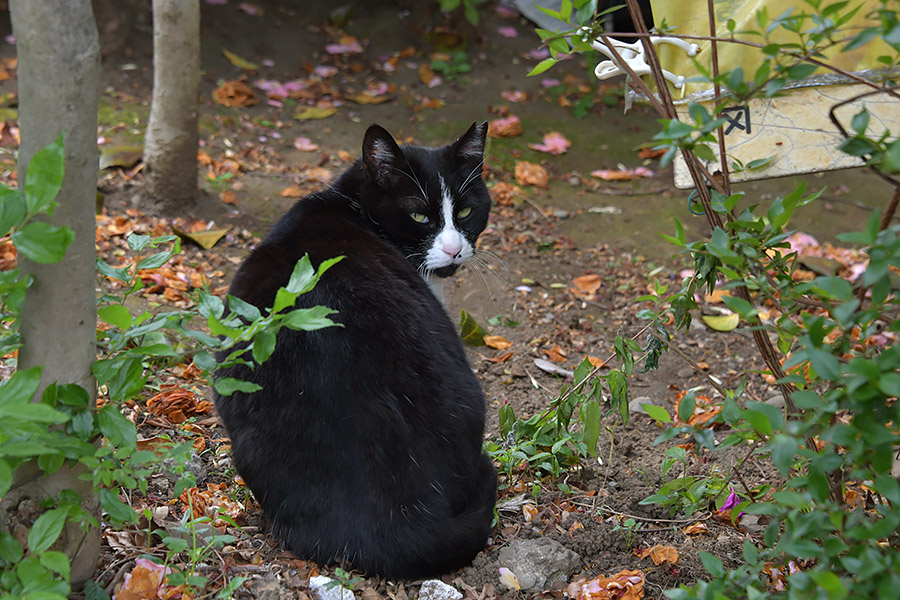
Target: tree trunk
point(170, 148)
point(59, 83)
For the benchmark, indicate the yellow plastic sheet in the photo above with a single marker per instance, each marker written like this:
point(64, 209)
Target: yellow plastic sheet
point(794, 128)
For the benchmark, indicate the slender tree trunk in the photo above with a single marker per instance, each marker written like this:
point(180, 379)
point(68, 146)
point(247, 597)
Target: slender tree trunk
point(170, 147)
point(59, 82)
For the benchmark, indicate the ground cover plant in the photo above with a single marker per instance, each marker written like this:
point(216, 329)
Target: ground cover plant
point(716, 487)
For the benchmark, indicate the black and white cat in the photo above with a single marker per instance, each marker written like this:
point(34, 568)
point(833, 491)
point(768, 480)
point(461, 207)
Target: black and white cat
point(365, 444)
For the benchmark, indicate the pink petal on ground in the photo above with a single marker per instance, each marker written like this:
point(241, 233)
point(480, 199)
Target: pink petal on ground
point(642, 172)
point(801, 241)
point(305, 144)
point(514, 95)
point(508, 32)
point(325, 71)
point(295, 85)
point(506, 12)
point(554, 143)
point(539, 53)
point(250, 9)
point(267, 84)
point(351, 48)
point(550, 82)
point(268, 62)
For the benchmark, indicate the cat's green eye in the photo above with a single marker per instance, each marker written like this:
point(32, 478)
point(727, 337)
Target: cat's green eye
point(465, 212)
point(418, 217)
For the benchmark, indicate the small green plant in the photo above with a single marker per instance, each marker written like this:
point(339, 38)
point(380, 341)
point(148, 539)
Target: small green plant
point(629, 528)
point(344, 580)
point(470, 8)
point(452, 66)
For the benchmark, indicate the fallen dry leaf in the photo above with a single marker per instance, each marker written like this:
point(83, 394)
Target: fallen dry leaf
point(622, 174)
point(318, 175)
point(510, 126)
point(660, 554)
point(509, 579)
point(177, 400)
point(503, 193)
point(428, 76)
point(145, 582)
point(304, 113)
point(531, 174)
point(556, 354)
point(293, 191)
point(234, 94)
point(228, 197)
point(696, 529)
point(624, 585)
point(586, 286)
point(501, 358)
point(497, 341)
point(514, 95)
point(239, 62)
point(206, 239)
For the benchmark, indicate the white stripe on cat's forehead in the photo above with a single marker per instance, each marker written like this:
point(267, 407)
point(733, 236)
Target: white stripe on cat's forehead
point(446, 204)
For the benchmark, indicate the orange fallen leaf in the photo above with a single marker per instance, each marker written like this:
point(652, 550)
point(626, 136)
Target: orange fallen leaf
point(318, 175)
point(529, 511)
point(177, 402)
point(228, 197)
point(586, 286)
point(503, 193)
point(510, 126)
point(660, 554)
point(696, 529)
point(428, 76)
point(234, 94)
point(497, 341)
point(624, 585)
point(531, 174)
point(293, 191)
point(647, 152)
point(145, 582)
point(500, 359)
point(556, 354)
point(595, 362)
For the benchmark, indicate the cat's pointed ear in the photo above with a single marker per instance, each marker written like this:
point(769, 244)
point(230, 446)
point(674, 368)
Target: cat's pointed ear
point(381, 156)
point(470, 145)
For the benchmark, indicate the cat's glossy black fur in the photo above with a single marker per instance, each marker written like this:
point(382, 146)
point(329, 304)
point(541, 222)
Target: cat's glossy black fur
point(365, 444)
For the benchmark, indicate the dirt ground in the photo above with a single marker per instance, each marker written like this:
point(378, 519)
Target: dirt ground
point(536, 244)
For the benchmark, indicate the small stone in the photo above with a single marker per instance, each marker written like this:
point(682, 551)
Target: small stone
point(685, 372)
point(435, 589)
point(194, 464)
point(777, 401)
point(268, 588)
point(319, 590)
point(539, 563)
point(635, 405)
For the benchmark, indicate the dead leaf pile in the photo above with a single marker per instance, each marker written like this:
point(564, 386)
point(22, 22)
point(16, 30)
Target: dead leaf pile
point(504, 193)
point(528, 173)
point(234, 94)
point(211, 502)
point(177, 404)
point(510, 126)
point(146, 581)
point(624, 585)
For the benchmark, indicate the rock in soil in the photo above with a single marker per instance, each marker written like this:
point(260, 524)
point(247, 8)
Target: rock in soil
point(319, 590)
point(435, 589)
point(539, 563)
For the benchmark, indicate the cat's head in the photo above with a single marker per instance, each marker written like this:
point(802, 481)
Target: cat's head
point(431, 203)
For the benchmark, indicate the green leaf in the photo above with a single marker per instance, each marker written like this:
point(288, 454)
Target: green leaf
point(42, 242)
point(35, 412)
point(657, 413)
point(226, 386)
point(21, 387)
point(154, 261)
point(591, 416)
point(283, 299)
point(46, 530)
point(801, 71)
point(243, 309)
point(263, 346)
point(116, 315)
point(56, 562)
point(543, 66)
point(210, 305)
point(712, 564)
point(10, 549)
point(137, 242)
point(115, 508)
point(93, 591)
point(12, 209)
point(119, 430)
point(6, 474)
point(44, 176)
point(303, 278)
point(309, 319)
point(686, 407)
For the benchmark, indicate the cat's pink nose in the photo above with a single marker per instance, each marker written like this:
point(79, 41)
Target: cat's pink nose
point(451, 244)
